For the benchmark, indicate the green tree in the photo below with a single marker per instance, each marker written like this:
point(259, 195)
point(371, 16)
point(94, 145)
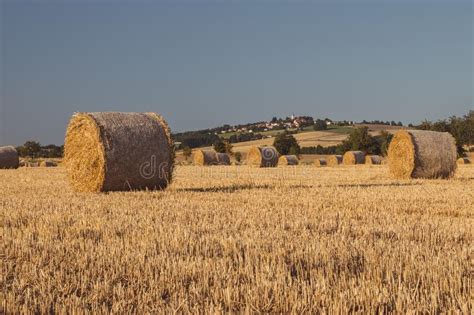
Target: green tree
point(360, 139)
point(285, 142)
point(219, 146)
point(30, 149)
point(320, 125)
point(223, 146)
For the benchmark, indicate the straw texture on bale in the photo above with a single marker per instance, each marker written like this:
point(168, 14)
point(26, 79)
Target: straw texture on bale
point(464, 160)
point(334, 160)
point(9, 158)
point(373, 159)
point(48, 164)
point(205, 157)
point(113, 151)
point(223, 158)
point(286, 160)
point(320, 162)
point(353, 157)
point(422, 154)
point(266, 156)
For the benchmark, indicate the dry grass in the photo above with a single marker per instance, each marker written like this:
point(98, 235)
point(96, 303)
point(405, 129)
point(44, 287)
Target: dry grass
point(222, 239)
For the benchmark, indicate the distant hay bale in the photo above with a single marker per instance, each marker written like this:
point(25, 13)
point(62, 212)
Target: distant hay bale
point(422, 154)
point(320, 162)
point(334, 160)
point(288, 160)
point(48, 164)
point(223, 159)
point(32, 164)
point(353, 157)
point(112, 151)
point(9, 158)
point(264, 156)
point(464, 160)
point(205, 157)
point(373, 159)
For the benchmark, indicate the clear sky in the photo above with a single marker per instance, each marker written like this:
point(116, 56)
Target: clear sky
point(205, 63)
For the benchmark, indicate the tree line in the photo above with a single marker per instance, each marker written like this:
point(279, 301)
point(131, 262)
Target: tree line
point(34, 149)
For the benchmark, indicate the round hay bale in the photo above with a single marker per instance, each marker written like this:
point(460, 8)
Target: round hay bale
point(205, 157)
point(9, 158)
point(320, 162)
point(464, 160)
point(112, 151)
point(422, 154)
point(265, 156)
point(334, 160)
point(223, 159)
point(373, 159)
point(353, 157)
point(48, 164)
point(288, 160)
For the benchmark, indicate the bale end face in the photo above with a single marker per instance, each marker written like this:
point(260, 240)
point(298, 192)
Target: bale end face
point(84, 154)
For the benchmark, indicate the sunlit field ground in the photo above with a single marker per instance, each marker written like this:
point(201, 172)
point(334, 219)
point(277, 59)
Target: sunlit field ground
point(297, 239)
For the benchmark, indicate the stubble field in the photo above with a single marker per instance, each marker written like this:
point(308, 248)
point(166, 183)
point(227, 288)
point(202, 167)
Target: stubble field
point(238, 239)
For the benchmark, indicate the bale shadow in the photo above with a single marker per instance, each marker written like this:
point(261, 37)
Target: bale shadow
point(227, 189)
point(377, 185)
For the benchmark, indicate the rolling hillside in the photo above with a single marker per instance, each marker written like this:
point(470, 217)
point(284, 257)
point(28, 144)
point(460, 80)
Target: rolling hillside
point(326, 138)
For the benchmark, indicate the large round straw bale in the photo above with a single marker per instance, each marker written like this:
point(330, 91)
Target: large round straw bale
point(422, 154)
point(286, 160)
point(373, 159)
point(320, 162)
point(464, 160)
point(111, 151)
point(205, 157)
point(264, 156)
point(9, 157)
point(334, 160)
point(353, 157)
point(223, 159)
point(48, 164)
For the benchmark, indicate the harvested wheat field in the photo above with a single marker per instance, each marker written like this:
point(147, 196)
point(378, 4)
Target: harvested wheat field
point(240, 239)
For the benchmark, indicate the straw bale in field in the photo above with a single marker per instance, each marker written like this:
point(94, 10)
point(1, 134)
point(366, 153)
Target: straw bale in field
point(286, 160)
point(9, 158)
point(422, 154)
point(334, 160)
point(263, 156)
point(113, 151)
point(353, 157)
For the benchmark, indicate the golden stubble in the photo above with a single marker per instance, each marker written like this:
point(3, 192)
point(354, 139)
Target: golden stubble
point(239, 239)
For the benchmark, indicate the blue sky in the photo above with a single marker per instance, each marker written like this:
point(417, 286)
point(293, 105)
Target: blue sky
point(205, 63)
